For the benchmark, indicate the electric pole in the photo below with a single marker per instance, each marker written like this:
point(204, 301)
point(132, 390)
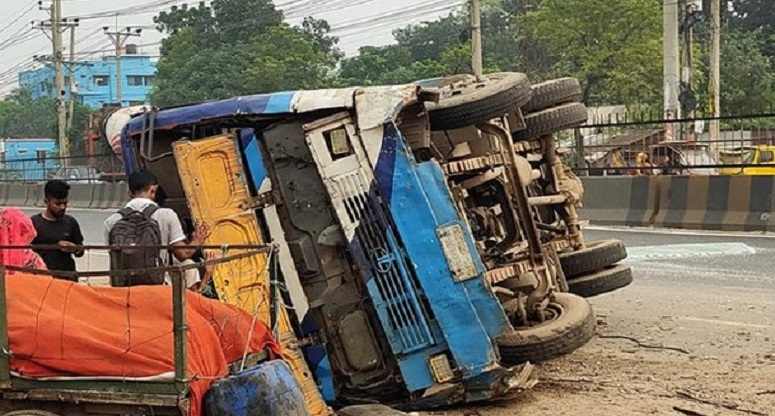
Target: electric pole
point(119, 38)
point(671, 64)
point(687, 97)
point(476, 38)
point(57, 26)
point(715, 68)
point(71, 109)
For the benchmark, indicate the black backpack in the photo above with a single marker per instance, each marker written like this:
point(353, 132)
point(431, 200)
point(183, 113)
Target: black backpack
point(136, 228)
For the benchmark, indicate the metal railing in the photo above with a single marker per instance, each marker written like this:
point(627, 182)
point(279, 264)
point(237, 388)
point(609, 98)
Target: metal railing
point(80, 169)
point(614, 145)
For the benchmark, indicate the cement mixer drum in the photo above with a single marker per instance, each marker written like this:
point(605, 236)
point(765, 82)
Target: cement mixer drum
point(114, 123)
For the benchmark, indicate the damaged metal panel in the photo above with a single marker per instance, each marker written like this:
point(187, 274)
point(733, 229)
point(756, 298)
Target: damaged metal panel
point(459, 257)
point(216, 189)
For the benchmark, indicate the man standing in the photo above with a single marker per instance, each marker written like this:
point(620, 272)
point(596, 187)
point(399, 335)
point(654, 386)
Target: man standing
point(142, 222)
point(55, 227)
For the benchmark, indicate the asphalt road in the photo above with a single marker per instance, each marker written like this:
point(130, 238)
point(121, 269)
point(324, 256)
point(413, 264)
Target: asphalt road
point(695, 332)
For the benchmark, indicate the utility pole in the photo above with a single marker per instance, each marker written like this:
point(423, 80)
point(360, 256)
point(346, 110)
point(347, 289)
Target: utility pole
point(687, 96)
point(671, 75)
point(714, 85)
point(476, 38)
point(119, 38)
point(71, 108)
point(57, 26)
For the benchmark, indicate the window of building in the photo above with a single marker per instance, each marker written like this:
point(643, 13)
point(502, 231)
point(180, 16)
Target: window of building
point(40, 156)
point(2, 159)
point(140, 80)
point(101, 80)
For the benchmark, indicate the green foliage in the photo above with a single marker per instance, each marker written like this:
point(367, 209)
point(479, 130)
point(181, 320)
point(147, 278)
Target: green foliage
point(24, 116)
point(239, 47)
point(748, 76)
point(614, 47)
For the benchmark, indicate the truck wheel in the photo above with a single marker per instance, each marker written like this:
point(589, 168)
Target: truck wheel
point(603, 281)
point(598, 255)
point(29, 413)
point(552, 120)
point(480, 102)
point(551, 93)
point(573, 325)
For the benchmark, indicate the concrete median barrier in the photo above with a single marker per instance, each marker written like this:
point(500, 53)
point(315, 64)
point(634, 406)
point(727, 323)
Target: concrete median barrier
point(620, 200)
point(718, 203)
point(18, 195)
point(81, 195)
point(104, 195)
point(3, 193)
point(37, 195)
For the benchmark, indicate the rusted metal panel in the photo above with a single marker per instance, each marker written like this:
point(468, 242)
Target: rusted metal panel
point(455, 247)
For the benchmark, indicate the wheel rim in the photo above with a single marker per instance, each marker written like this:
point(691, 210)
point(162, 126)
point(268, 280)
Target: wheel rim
point(552, 313)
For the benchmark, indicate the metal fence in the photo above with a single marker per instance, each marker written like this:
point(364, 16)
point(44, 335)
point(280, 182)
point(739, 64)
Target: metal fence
point(617, 145)
point(76, 169)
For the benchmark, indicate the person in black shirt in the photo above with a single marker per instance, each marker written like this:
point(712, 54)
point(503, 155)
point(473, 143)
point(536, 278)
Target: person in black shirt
point(55, 227)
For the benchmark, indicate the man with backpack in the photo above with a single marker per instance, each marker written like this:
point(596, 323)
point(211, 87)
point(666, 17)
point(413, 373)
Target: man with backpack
point(142, 223)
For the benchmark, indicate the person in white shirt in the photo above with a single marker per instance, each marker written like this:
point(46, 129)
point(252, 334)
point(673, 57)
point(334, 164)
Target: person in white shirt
point(143, 186)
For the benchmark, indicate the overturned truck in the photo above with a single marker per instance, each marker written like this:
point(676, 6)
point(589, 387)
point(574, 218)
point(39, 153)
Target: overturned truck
point(412, 275)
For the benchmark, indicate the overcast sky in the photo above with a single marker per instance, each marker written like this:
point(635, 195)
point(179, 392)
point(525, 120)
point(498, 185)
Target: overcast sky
point(356, 22)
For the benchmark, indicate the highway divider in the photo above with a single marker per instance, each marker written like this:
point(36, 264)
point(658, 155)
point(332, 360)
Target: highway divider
point(102, 195)
point(721, 203)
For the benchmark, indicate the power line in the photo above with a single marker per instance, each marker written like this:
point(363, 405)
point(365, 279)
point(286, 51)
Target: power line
point(26, 12)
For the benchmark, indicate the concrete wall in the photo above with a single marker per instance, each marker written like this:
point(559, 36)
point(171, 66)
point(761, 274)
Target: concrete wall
point(723, 203)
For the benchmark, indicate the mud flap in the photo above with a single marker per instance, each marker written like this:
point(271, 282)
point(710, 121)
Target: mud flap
point(216, 190)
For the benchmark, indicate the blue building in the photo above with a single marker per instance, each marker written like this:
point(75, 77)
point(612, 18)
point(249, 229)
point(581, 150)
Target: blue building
point(27, 159)
point(96, 80)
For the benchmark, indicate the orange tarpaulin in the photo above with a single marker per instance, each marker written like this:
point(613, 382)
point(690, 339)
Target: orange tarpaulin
point(61, 329)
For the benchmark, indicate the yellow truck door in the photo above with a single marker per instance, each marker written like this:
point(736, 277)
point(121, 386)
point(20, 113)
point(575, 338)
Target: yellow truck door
point(216, 190)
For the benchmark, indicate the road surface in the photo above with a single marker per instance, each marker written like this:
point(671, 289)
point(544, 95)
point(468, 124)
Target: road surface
point(695, 331)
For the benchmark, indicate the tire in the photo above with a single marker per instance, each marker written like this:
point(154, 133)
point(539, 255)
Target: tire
point(474, 106)
point(551, 93)
point(572, 329)
point(29, 413)
point(596, 256)
point(604, 281)
point(552, 120)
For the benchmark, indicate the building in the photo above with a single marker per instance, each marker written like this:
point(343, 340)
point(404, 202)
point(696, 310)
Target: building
point(96, 80)
point(27, 159)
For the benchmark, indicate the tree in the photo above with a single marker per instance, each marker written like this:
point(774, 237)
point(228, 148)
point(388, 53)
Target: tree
point(747, 74)
point(434, 49)
point(302, 62)
point(614, 47)
point(24, 116)
point(239, 47)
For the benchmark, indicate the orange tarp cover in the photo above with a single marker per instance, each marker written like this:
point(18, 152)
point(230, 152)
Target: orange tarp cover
point(62, 329)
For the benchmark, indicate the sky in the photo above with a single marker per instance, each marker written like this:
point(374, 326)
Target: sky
point(355, 22)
